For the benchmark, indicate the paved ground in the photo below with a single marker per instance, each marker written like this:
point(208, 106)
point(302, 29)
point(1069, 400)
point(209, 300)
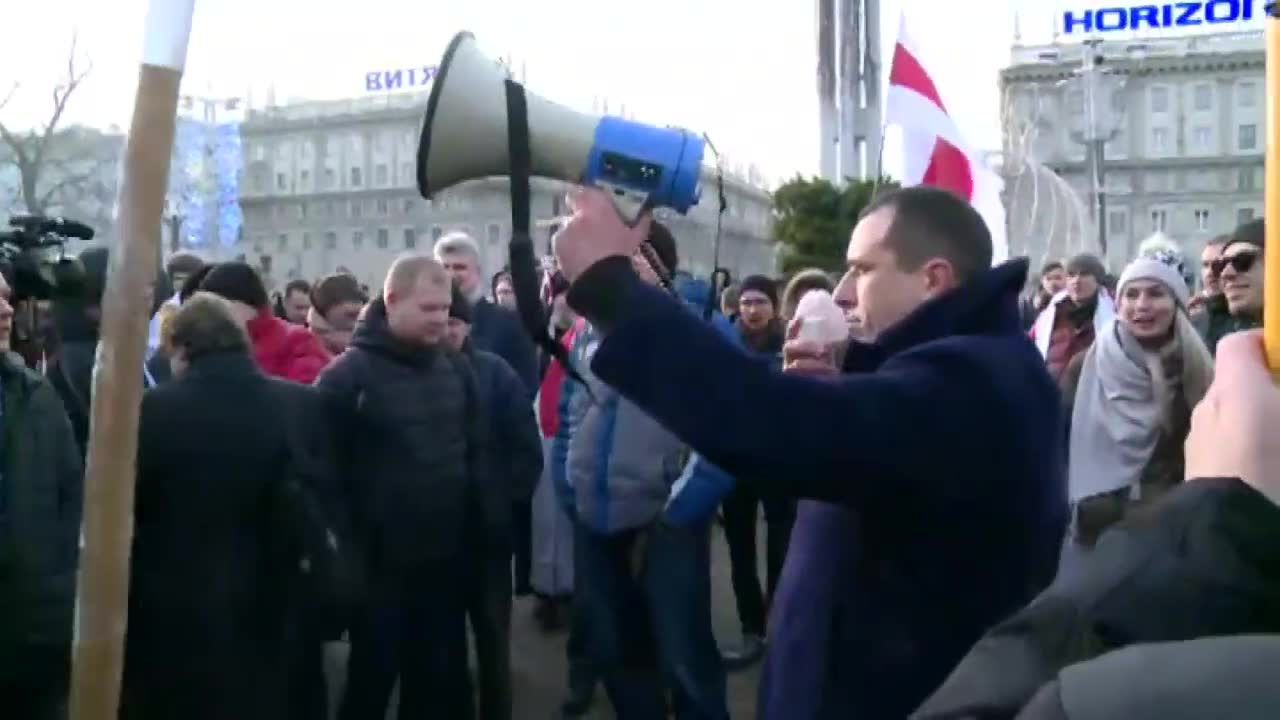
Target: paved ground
point(538, 664)
point(538, 660)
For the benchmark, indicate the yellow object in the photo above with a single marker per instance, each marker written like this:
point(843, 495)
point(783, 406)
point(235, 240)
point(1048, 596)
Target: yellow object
point(1271, 211)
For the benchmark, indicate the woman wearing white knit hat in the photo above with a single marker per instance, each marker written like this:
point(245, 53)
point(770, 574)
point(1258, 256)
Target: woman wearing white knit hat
point(1131, 396)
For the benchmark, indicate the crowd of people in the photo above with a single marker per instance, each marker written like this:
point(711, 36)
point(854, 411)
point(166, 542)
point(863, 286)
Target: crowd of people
point(983, 503)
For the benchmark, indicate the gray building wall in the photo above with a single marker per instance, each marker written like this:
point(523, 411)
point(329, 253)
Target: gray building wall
point(1187, 156)
point(332, 185)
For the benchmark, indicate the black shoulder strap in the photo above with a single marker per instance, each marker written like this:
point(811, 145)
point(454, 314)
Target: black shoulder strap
point(524, 273)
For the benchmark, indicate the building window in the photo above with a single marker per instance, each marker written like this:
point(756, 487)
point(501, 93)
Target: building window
point(1246, 94)
point(410, 239)
point(281, 181)
point(1118, 222)
point(259, 242)
point(357, 239)
point(384, 238)
point(331, 241)
point(407, 174)
point(408, 206)
point(436, 232)
point(1159, 140)
point(1159, 100)
point(355, 177)
point(302, 211)
point(330, 178)
point(382, 206)
point(1244, 215)
point(1201, 137)
point(355, 209)
point(1202, 97)
point(304, 177)
point(306, 241)
point(1245, 180)
point(1159, 220)
point(1202, 219)
point(329, 207)
point(1248, 139)
point(494, 232)
point(282, 242)
point(380, 174)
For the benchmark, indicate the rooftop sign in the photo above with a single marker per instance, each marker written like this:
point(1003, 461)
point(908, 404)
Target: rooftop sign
point(1136, 18)
point(404, 79)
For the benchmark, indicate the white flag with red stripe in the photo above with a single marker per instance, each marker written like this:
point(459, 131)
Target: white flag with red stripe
point(934, 153)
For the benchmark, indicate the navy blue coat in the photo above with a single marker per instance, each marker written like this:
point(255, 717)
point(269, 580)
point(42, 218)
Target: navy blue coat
point(497, 330)
point(942, 440)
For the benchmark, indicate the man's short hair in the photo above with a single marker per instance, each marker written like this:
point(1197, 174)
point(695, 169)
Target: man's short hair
point(205, 325)
point(183, 263)
point(929, 222)
point(298, 285)
point(457, 243)
point(406, 270)
point(333, 290)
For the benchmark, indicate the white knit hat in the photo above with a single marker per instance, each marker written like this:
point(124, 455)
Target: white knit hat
point(1148, 268)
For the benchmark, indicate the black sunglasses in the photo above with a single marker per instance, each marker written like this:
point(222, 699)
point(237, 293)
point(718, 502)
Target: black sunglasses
point(1242, 262)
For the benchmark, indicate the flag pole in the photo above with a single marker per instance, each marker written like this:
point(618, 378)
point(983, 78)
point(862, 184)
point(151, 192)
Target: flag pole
point(1271, 190)
point(107, 535)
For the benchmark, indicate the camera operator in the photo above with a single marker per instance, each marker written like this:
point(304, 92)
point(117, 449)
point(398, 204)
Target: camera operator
point(41, 488)
point(942, 437)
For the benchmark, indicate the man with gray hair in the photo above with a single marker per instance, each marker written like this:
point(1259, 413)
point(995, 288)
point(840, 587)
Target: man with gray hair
point(494, 328)
point(405, 406)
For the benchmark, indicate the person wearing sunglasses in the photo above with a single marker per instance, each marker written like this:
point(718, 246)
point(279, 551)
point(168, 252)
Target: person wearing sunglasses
point(1239, 273)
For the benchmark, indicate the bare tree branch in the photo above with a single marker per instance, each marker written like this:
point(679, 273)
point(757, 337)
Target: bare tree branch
point(9, 95)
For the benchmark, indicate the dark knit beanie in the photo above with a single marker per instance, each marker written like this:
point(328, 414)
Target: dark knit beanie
point(459, 308)
point(1252, 232)
point(1087, 264)
point(237, 281)
point(760, 284)
point(661, 245)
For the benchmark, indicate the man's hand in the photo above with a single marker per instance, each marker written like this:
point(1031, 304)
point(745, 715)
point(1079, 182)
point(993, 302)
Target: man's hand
point(806, 357)
point(595, 232)
point(1233, 429)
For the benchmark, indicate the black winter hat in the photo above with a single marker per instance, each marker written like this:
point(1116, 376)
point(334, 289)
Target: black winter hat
point(237, 281)
point(459, 308)
point(760, 284)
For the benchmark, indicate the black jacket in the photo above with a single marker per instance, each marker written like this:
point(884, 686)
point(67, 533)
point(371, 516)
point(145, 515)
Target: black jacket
point(1203, 561)
point(41, 490)
point(513, 445)
point(409, 421)
point(497, 330)
point(211, 569)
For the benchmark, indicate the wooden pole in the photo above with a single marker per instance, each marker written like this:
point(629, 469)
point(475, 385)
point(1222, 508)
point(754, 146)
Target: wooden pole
point(103, 592)
point(1271, 189)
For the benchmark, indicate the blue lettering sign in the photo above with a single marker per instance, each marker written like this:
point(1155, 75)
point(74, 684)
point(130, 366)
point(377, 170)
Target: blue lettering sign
point(1160, 17)
point(403, 79)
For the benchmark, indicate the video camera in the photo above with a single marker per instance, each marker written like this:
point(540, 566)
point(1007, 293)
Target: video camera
point(32, 254)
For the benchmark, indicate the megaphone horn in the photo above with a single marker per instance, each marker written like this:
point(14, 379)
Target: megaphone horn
point(464, 137)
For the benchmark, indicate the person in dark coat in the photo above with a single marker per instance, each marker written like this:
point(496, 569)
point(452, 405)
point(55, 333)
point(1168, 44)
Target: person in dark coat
point(494, 328)
point(409, 414)
point(942, 436)
point(513, 464)
point(41, 492)
point(210, 601)
point(1201, 562)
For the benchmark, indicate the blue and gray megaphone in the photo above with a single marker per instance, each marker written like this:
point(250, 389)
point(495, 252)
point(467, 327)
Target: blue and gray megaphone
point(464, 136)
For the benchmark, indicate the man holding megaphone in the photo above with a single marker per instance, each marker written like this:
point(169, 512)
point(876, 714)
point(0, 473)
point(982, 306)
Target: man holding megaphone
point(872, 612)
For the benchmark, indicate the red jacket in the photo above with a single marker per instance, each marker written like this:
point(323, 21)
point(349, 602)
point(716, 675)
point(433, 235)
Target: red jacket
point(285, 350)
point(552, 383)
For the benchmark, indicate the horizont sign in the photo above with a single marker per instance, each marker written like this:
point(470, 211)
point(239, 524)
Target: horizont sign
point(1163, 17)
point(406, 79)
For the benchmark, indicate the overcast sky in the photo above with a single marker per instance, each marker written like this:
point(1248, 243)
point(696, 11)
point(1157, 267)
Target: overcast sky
point(741, 70)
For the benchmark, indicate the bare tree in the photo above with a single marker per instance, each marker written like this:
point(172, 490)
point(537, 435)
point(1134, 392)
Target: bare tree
point(55, 164)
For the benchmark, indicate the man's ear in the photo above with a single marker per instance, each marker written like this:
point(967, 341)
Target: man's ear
point(939, 276)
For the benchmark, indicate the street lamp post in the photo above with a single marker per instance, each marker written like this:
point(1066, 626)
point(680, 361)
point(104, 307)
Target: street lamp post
point(1094, 137)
